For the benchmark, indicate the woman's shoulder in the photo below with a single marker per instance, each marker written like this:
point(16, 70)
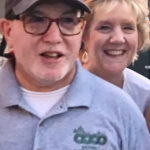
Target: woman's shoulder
point(137, 79)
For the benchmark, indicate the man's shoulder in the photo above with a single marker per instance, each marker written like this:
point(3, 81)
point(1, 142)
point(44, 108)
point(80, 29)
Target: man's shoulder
point(111, 101)
point(101, 86)
point(102, 89)
point(108, 95)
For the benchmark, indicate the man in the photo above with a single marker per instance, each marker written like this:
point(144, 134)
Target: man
point(47, 101)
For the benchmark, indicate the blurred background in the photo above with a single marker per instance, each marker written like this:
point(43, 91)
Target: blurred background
point(1, 8)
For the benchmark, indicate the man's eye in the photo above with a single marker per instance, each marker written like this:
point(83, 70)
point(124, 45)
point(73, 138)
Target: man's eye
point(34, 19)
point(67, 20)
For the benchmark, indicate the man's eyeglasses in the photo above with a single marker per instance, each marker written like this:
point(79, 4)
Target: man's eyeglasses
point(38, 25)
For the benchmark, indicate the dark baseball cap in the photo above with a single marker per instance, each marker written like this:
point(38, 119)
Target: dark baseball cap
point(19, 6)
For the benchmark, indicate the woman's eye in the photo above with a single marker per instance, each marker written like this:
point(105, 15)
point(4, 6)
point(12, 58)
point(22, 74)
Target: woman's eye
point(129, 29)
point(104, 28)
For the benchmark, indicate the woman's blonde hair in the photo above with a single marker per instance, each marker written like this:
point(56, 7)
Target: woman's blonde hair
point(140, 7)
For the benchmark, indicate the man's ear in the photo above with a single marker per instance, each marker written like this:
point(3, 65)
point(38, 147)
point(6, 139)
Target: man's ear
point(5, 27)
point(83, 28)
point(84, 24)
point(84, 38)
point(85, 32)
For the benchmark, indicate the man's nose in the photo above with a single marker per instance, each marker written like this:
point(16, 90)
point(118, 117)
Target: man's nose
point(117, 36)
point(53, 35)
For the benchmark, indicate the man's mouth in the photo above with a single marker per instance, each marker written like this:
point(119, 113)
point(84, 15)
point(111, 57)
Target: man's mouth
point(51, 55)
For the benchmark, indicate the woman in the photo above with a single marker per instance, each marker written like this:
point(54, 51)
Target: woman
point(114, 34)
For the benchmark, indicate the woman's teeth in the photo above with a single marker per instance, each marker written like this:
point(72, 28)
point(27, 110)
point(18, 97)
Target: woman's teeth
point(114, 52)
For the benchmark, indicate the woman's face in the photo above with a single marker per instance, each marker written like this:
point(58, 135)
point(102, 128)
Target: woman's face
point(111, 40)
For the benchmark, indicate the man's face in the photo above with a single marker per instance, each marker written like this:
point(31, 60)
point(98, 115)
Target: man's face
point(45, 62)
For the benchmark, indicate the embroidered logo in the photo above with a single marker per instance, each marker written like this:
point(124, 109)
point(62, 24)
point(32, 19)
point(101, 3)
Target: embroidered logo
point(82, 137)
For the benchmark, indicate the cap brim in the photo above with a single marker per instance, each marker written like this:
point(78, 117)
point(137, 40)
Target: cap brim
point(24, 5)
point(80, 4)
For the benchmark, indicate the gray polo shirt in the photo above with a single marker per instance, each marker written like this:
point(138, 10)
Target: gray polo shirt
point(93, 115)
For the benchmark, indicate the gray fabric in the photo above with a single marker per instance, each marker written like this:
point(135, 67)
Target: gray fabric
point(138, 87)
point(93, 115)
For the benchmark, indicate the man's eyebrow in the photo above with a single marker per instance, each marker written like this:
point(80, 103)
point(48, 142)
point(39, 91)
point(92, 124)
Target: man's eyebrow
point(34, 12)
point(38, 12)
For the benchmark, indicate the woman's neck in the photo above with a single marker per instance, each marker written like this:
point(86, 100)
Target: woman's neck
point(116, 78)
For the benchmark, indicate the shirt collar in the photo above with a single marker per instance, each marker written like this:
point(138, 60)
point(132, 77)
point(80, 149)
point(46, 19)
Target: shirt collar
point(79, 93)
point(10, 92)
